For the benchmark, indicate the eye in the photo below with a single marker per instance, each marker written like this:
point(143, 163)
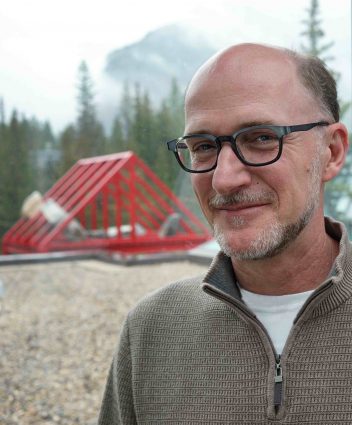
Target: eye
point(261, 137)
point(265, 138)
point(258, 138)
point(199, 145)
point(204, 146)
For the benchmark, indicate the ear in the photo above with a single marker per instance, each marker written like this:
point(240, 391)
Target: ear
point(337, 147)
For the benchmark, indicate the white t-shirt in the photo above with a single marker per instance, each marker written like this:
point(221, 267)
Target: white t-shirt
point(276, 313)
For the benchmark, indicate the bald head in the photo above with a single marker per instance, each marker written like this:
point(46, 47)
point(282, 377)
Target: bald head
point(251, 66)
point(236, 60)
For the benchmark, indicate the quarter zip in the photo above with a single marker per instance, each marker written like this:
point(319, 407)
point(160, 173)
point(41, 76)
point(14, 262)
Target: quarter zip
point(234, 303)
point(278, 383)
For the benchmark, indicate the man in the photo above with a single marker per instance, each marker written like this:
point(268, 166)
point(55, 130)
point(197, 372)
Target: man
point(266, 335)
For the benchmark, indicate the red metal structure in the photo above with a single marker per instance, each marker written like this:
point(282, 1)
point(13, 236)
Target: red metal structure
point(113, 203)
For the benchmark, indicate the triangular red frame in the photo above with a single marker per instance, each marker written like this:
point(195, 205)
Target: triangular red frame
point(103, 191)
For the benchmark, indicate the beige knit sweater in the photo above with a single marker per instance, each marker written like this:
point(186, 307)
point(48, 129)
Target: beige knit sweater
point(193, 353)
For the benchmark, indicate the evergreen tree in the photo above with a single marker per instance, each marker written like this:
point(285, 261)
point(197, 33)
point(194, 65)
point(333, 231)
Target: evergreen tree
point(67, 139)
point(170, 124)
point(126, 114)
point(175, 103)
point(142, 140)
point(316, 46)
point(42, 151)
point(90, 135)
point(314, 35)
point(5, 217)
point(2, 111)
point(144, 129)
point(166, 165)
point(117, 142)
point(16, 173)
point(135, 133)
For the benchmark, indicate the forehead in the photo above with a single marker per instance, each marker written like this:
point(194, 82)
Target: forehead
point(248, 85)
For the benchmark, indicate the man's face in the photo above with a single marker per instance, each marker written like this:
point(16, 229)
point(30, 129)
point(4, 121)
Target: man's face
point(256, 211)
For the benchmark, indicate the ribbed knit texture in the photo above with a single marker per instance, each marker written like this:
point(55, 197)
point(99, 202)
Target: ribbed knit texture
point(186, 357)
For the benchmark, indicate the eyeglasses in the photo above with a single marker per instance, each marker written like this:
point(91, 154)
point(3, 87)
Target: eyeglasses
point(255, 146)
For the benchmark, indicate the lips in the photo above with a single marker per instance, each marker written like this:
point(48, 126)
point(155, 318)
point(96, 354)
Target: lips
point(241, 200)
point(241, 207)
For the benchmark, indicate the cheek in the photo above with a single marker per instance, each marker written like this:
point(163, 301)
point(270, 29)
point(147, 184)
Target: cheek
point(202, 187)
point(292, 191)
point(282, 181)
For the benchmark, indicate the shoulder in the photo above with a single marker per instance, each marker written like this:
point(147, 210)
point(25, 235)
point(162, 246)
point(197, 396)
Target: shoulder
point(176, 307)
point(175, 297)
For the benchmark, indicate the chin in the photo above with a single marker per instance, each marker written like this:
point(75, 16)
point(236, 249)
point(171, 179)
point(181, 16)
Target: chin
point(236, 246)
point(268, 242)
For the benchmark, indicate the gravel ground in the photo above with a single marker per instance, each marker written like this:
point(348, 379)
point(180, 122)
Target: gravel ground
point(59, 324)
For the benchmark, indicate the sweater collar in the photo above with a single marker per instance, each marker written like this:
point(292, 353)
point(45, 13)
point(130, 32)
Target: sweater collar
point(221, 277)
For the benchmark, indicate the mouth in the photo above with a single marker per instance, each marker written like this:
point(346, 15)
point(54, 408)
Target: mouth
point(241, 209)
point(241, 203)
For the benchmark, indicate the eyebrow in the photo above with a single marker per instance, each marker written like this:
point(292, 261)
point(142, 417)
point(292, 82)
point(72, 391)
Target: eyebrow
point(243, 125)
point(255, 123)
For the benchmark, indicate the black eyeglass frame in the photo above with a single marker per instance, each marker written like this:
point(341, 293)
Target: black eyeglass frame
point(280, 130)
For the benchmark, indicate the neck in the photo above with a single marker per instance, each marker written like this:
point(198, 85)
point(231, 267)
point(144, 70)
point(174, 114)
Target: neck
point(301, 267)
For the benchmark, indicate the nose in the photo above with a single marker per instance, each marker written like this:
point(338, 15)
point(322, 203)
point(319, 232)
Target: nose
point(230, 174)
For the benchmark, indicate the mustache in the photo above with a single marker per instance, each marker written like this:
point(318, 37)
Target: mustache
point(240, 197)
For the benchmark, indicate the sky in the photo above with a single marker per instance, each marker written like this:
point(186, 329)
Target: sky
point(43, 42)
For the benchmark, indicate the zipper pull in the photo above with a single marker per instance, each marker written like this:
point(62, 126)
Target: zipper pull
point(278, 383)
point(278, 370)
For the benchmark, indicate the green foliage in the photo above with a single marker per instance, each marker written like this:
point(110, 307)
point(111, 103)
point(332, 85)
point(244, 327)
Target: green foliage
point(68, 139)
point(90, 135)
point(144, 129)
point(2, 111)
point(316, 46)
point(18, 174)
point(32, 158)
point(86, 137)
point(314, 34)
point(139, 126)
point(116, 141)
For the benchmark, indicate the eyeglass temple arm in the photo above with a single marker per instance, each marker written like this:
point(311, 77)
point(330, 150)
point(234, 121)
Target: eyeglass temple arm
point(304, 127)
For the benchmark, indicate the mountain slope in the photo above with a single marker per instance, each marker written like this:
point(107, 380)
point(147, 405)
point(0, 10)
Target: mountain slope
point(169, 52)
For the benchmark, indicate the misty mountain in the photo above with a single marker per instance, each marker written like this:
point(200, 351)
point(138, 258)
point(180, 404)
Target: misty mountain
point(174, 51)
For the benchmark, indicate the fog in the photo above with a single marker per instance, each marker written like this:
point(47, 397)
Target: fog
point(42, 44)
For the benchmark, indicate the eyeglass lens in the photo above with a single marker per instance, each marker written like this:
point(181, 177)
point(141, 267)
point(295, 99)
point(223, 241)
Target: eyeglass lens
point(255, 146)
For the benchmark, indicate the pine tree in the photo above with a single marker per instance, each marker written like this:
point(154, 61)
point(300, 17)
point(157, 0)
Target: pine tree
point(175, 103)
point(142, 138)
point(314, 36)
point(86, 137)
point(166, 165)
point(135, 130)
point(2, 111)
point(67, 141)
point(148, 142)
point(117, 142)
point(126, 113)
point(90, 135)
point(16, 172)
point(169, 125)
point(316, 46)
point(144, 129)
